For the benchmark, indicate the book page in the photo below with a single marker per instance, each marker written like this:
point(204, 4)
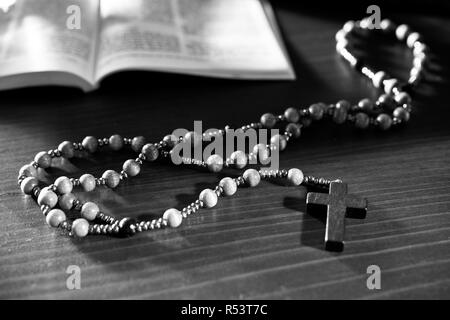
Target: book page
point(222, 38)
point(35, 39)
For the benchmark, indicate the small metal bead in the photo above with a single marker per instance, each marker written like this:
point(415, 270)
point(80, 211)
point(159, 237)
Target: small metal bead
point(45, 209)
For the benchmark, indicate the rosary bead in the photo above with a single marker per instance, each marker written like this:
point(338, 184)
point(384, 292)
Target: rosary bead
point(279, 141)
point(171, 140)
point(340, 113)
point(365, 105)
point(63, 185)
point(401, 114)
point(251, 177)
point(55, 217)
point(43, 159)
point(389, 85)
point(47, 197)
point(214, 163)
point(291, 115)
point(28, 184)
point(89, 210)
point(131, 167)
point(386, 101)
point(403, 98)
point(87, 182)
point(412, 38)
point(209, 198)
point(28, 170)
point(384, 121)
point(402, 32)
point(116, 142)
point(112, 178)
point(349, 26)
point(150, 151)
point(66, 148)
point(66, 201)
point(387, 25)
point(137, 143)
point(316, 111)
point(80, 227)
point(295, 176)
point(378, 79)
point(361, 120)
point(193, 138)
point(268, 120)
point(262, 152)
point(239, 159)
point(294, 129)
point(173, 217)
point(228, 186)
point(90, 143)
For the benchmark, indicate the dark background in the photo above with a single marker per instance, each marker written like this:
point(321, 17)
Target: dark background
point(260, 243)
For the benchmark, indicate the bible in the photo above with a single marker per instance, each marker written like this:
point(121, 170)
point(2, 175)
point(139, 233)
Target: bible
point(80, 42)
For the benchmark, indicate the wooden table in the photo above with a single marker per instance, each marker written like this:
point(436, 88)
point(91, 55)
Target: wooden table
point(261, 243)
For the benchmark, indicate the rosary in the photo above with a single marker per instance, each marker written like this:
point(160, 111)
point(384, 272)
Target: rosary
point(392, 108)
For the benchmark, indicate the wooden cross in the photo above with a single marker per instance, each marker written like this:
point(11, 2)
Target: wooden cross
point(338, 203)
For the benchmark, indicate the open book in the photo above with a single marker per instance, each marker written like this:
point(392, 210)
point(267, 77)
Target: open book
point(79, 42)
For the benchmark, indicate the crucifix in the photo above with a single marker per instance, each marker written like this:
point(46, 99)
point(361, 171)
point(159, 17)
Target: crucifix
point(339, 204)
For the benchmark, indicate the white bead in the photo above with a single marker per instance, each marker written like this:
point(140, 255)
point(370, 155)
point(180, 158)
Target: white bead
point(28, 184)
point(63, 185)
point(47, 197)
point(65, 202)
point(389, 85)
point(378, 79)
point(214, 163)
point(28, 170)
point(87, 182)
point(262, 152)
point(173, 217)
point(89, 210)
point(412, 38)
point(279, 140)
point(349, 26)
point(208, 197)
point(43, 159)
point(228, 186)
point(251, 177)
point(239, 159)
point(55, 217)
point(295, 176)
point(402, 31)
point(80, 227)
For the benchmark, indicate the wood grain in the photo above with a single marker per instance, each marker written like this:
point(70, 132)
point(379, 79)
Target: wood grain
point(261, 243)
